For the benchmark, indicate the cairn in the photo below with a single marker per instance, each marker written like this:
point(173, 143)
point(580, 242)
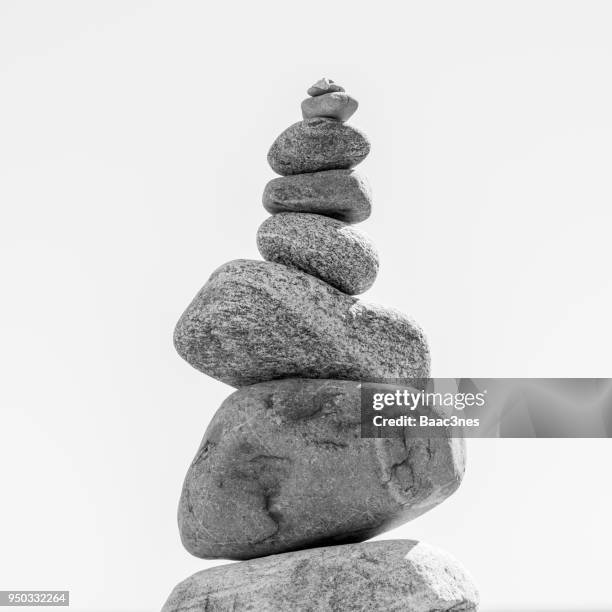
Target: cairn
point(283, 479)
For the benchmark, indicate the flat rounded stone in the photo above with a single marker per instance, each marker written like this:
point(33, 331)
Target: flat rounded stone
point(282, 466)
point(384, 576)
point(341, 194)
point(317, 144)
point(256, 320)
point(335, 105)
point(329, 249)
point(323, 86)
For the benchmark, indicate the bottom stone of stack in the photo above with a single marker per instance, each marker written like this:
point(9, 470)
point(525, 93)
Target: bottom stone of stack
point(375, 576)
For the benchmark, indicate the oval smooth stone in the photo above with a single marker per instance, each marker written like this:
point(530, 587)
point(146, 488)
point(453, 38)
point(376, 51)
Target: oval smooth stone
point(338, 106)
point(261, 481)
point(256, 320)
point(329, 249)
point(340, 194)
point(317, 144)
point(383, 576)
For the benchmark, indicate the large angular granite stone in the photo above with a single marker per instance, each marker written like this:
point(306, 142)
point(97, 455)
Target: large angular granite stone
point(256, 320)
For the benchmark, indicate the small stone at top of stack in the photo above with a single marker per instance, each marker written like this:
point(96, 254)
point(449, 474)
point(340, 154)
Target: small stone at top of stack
point(324, 86)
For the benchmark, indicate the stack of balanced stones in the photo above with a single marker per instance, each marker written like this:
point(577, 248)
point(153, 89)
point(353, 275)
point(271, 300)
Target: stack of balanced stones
point(282, 476)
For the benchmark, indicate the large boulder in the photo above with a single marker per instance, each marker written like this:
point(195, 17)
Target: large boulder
point(282, 466)
point(385, 576)
point(256, 320)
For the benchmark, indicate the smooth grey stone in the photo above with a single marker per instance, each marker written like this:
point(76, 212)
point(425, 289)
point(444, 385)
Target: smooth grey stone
point(282, 466)
point(335, 105)
point(257, 320)
point(323, 86)
point(341, 194)
point(317, 144)
point(384, 576)
point(329, 249)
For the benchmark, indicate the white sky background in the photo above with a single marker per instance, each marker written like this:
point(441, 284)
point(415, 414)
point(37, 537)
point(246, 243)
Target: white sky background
point(133, 142)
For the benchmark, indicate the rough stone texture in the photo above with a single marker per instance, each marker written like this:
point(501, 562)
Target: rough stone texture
point(317, 144)
point(385, 576)
point(323, 86)
point(326, 248)
point(282, 466)
point(335, 105)
point(257, 320)
point(341, 194)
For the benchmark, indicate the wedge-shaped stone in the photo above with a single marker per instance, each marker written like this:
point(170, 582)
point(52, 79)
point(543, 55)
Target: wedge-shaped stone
point(256, 320)
point(323, 86)
point(385, 576)
point(317, 144)
point(282, 467)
